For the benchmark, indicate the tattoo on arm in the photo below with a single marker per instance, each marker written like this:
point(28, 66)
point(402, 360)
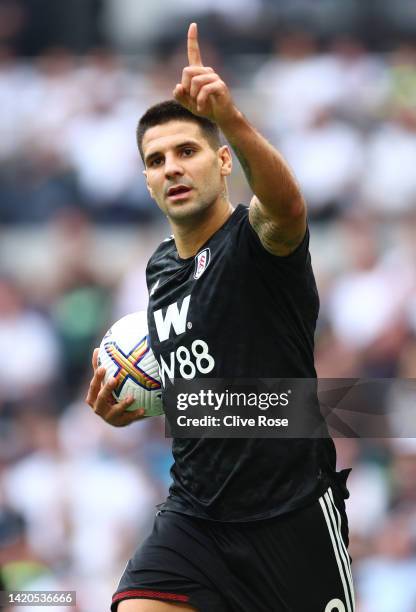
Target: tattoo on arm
point(275, 239)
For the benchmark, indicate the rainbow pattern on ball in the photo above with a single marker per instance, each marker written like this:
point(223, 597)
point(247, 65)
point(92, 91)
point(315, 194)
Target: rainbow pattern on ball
point(128, 365)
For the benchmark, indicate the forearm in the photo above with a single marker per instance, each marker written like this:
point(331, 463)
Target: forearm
point(277, 210)
point(266, 171)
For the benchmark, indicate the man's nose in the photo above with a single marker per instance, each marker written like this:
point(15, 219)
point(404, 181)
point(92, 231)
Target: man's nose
point(173, 167)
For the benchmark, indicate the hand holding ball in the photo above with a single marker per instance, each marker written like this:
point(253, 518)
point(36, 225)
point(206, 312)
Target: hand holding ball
point(127, 357)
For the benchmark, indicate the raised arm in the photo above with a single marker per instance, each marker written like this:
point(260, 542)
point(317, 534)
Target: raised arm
point(277, 209)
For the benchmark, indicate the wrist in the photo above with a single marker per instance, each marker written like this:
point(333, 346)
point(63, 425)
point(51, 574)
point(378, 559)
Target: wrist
point(230, 121)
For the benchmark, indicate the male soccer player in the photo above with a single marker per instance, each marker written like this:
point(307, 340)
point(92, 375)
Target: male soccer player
point(250, 525)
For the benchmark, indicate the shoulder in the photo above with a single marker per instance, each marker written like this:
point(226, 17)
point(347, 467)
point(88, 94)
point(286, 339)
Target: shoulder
point(160, 257)
point(247, 245)
point(166, 247)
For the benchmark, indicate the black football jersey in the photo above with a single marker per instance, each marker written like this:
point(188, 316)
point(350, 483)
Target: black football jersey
point(237, 311)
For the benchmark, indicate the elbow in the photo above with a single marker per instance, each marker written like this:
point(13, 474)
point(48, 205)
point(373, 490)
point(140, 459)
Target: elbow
point(296, 208)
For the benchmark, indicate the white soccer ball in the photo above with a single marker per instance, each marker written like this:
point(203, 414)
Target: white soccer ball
point(126, 354)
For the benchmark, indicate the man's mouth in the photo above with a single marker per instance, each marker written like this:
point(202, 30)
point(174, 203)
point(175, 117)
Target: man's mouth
point(179, 192)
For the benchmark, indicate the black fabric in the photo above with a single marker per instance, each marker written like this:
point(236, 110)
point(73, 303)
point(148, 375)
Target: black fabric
point(255, 314)
point(284, 564)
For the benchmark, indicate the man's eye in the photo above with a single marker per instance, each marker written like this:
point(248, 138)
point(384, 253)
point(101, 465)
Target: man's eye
point(187, 152)
point(156, 162)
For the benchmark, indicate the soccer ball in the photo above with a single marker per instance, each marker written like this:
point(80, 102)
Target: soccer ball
point(126, 354)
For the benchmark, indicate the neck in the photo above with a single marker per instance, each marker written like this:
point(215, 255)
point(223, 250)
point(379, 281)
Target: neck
point(192, 234)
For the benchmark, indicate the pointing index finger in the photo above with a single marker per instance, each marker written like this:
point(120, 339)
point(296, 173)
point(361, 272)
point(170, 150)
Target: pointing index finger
point(194, 55)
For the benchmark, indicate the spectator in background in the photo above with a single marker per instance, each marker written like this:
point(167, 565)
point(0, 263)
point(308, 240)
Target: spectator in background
point(132, 25)
point(296, 82)
point(389, 182)
point(72, 514)
point(13, 18)
point(327, 158)
point(53, 96)
point(79, 297)
point(30, 344)
point(99, 147)
point(14, 77)
point(363, 79)
point(19, 563)
point(402, 81)
point(385, 579)
point(367, 305)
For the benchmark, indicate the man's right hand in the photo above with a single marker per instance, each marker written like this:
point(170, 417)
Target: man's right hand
point(102, 401)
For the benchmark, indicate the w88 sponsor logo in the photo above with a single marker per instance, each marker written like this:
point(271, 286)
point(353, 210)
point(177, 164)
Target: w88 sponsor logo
point(183, 361)
point(187, 363)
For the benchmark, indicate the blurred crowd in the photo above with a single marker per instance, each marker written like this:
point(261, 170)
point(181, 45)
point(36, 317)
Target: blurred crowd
point(76, 229)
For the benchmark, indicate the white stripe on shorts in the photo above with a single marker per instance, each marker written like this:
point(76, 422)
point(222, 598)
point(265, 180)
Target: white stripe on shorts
point(336, 523)
point(346, 555)
point(335, 536)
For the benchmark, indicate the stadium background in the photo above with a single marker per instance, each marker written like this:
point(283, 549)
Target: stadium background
point(333, 85)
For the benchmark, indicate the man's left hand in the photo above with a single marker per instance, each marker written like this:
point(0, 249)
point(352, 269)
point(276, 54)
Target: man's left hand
point(201, 90)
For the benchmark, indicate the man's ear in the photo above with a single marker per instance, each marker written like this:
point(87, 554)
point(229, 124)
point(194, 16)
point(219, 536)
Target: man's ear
point(226, 160)
point(147, 184)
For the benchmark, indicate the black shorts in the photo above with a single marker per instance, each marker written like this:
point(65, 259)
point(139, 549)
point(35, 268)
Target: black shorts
point(297, 562)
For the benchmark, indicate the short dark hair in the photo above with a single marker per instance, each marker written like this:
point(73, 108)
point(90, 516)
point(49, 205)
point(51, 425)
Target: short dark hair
point(170, 110)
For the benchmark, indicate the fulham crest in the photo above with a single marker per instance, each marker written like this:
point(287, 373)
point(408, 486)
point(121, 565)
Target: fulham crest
point(201, 262)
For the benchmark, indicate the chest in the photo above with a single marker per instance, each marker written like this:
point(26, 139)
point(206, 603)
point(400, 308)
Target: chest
point(189, 303)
